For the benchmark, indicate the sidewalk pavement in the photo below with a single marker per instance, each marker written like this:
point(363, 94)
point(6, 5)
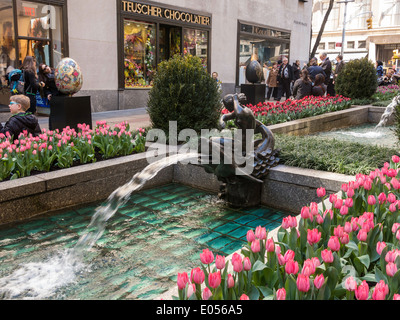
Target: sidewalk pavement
point(137, 118)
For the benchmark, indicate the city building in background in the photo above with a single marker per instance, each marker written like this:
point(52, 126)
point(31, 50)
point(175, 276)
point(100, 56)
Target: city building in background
point(372, 29)
point(118, 44)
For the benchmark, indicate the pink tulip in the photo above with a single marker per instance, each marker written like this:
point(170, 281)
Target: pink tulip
point(344, 239)
point(214, 279)
point(191, 289)
point(250, 236)
point(303, 283)
point(350, 193)
point(396, 296)
point(380, 246)
point(395, 226)
point(305, 213)
point(391, 269)
point(308, 268)
point(291, 267)
point(371, 200)
point(321, 192)
point(362, 235)
point(319, 281)
point(392, 207)
point(380, 291)
point(237, 262)
point(244, 297)
point(382, 198)
point(231, 281)
point(396, 159)
point(391, 197)
point(313, 236)
point(281, 294)
point(338, 231)
point(348, 202)
point(206, 293)
point(289, 255)
point(334, 243)
point(261, 233)
point(183, 279)
point(220, 262)
point(197, 276)
point(362, 292)
point(281, 259)
point(332, 198)
point(270, 245)
point(255, 246)
point(207, 257)
point(247, 264)
point(327, 256)
point(347, 227)
point(350, 284)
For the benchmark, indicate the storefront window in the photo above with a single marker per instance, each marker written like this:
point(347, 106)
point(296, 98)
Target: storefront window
point(40, 32)
point(139, 53)
point(8, 53)
point(195, 43)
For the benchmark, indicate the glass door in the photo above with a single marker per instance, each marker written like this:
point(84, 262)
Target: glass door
point(170, 41)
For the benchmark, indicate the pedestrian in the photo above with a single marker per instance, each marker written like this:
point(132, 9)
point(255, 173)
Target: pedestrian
point(319, 87)
point(215, 77)
point(302, 87)
point(272, 81)
point(326, 65)
point(296, 70)
point(339, 67)
point(285, 77)
point(46, 75)
point(20, 119)
point(379, 68)
point(32, 83)
point(315, 69)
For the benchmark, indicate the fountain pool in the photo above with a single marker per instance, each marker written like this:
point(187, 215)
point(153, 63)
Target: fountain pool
point(365, 134)
point(157, 233)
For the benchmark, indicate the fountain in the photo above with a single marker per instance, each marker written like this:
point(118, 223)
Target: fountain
point(241, 188)
point(388, 112)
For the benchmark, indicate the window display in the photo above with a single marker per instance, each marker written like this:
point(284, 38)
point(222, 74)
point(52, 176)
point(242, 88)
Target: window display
point(139, 53)
point(40, 32)
point(195, 42)
point(7, 55)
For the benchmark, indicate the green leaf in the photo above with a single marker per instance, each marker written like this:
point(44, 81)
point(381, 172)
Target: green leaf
point(258, 266)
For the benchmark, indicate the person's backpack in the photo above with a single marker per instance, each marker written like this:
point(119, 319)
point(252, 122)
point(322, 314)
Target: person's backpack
point(16, 80)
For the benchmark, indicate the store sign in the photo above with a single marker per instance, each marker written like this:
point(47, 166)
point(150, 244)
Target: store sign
point(170, 14)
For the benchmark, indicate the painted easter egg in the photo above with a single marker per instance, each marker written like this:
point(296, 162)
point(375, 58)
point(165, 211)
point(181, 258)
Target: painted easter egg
point(68, 76)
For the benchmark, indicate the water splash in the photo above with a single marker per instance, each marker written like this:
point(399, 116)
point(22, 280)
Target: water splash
point(388, 112)
point(40, 280)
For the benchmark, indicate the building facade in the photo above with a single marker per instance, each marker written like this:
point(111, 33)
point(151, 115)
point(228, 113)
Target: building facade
point(376, 38)
point(119, 43)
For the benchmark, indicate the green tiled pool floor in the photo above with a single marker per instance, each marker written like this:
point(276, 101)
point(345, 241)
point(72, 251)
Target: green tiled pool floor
point(156, 234)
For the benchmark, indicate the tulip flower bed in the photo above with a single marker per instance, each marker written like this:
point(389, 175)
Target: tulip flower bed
point(272, 113)
point(384, 93)
point(57, 150)
point(348, 250)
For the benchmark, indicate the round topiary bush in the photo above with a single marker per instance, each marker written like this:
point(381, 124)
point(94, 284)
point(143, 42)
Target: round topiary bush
point(183, 91)
point(357, 80)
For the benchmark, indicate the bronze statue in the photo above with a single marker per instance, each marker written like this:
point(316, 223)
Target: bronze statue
point(238, 182)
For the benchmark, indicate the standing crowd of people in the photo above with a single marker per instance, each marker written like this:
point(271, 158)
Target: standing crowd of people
point(293, 81)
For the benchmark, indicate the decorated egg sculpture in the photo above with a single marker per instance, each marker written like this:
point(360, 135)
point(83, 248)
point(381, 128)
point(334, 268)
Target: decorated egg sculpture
point(68, 76)
point(254, 72)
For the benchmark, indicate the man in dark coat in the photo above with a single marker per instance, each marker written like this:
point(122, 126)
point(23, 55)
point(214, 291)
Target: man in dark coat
point(326, 65)
point(285, 77)
point(315, 69)
point(20, 120)
point(339, 67)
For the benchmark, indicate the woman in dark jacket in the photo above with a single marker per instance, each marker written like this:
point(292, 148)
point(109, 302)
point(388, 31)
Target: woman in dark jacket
point(46, 75)
point(302, 87)
point(319, 88)
point(32, 84)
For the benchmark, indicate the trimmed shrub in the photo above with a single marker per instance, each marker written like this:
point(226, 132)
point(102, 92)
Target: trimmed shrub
point(183, 91)
point(357, 80)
